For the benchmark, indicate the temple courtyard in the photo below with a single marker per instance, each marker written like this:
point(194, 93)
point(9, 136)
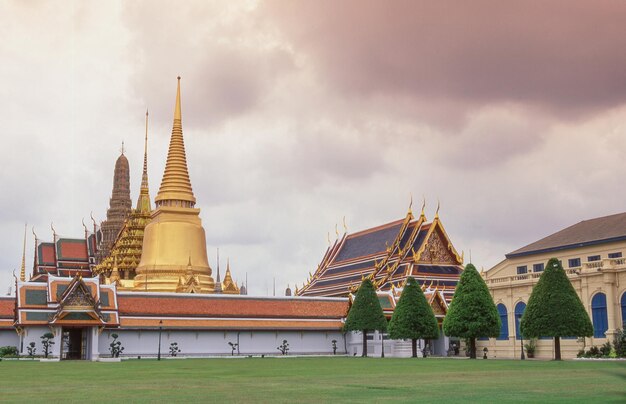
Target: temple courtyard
point(313, 379)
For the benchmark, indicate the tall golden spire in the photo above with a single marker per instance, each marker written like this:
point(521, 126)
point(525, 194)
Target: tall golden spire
point(23, 269)
point(174, 242)
point(176, 187)
point(143, 202)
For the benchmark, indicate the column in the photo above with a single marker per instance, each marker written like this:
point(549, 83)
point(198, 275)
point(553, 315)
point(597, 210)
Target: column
point(94, 343)
point(609, 288)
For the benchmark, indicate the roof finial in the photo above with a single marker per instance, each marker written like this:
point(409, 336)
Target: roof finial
point(328, 238)
point(336, 230)
point(410, 212)
point(345, 228)
point(423, 207)
point(122, 149)
point(143, 202)
point(437, 211)
point(23, 269)
point(54, 233)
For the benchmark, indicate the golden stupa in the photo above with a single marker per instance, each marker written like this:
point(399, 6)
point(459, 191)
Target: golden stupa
point(174, 257)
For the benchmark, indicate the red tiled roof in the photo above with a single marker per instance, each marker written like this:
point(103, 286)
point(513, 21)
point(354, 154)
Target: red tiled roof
point(73, 249)
point(47, 253)
point(7, 307)
point(224, 306)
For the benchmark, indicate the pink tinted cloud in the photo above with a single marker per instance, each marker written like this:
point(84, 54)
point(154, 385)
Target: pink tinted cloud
point(564, 56)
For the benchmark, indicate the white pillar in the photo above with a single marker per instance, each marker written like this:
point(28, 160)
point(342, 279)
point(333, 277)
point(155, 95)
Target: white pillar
point(94, 343)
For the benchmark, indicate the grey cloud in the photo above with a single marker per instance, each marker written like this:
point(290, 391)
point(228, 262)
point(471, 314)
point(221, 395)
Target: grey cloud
point(565, 56)
point(227, 70)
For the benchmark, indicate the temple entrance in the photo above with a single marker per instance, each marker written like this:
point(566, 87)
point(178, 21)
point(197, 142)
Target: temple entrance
point(74, 344)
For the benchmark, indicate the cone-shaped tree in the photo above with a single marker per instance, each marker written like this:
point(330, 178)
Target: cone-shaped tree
point(413, 318)
point(472, 313)
point(365, 314)
point(554, 309)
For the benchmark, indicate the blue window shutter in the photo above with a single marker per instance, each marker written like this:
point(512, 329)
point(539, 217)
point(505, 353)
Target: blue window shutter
point(598, 311)
point(504, 328)
point(519, 312)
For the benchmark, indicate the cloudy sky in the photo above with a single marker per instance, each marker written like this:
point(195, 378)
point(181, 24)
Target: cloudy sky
point(298, 113)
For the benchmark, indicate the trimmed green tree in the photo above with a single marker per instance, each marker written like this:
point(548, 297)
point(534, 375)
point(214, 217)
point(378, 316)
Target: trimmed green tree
point(554, 309)
point(413, 318)
point(47, 342)
point(365, 314)
point(472, 312)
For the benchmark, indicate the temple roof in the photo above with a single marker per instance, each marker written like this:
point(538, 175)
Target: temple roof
point(68, 301)
point(368, 242)
point(588, 232)
point(7, 313)
point(206, 305)
point(388, 254)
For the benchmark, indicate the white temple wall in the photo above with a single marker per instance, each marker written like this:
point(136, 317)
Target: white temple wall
point(393, 348)
point(211, 342)
point(9, 338)
point(34, 334)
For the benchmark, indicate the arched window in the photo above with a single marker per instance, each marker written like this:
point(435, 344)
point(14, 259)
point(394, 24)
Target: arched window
point(504, 328)
point(598, 312)
point(519, 312)
point(623, 310)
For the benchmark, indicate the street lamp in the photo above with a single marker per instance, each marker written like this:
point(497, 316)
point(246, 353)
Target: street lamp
point(160, 329)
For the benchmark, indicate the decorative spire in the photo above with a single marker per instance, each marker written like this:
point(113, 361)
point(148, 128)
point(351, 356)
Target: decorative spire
point(218, 282)
point(143, 202)
point(437, 211)
point(423, 207)
point(176, 187)
point(23, 269)
point(218, 265)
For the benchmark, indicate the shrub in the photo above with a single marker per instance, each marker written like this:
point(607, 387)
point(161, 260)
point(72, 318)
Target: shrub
point(47, 342)
point(174, 349)
point(8, 351)
point(620, 343)
point(115, 347)
point(284, 347)
point(605, 349)
point(31, 349)
point(233, 347)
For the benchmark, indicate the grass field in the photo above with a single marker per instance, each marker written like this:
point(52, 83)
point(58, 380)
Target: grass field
point(312, 380)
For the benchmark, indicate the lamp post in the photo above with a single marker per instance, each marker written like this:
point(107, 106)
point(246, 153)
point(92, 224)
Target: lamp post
point(160, 329)
point(521, 342)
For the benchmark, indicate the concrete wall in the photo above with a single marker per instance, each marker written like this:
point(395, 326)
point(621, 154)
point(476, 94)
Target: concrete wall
point(9, 338)
point(393, 348)
point(209, 342)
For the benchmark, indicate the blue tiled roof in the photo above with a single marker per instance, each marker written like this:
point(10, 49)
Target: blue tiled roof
point(330, 282)
point(369, 243)
point(347, 268)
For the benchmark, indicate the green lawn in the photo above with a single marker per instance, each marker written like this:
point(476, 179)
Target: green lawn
point(314, 380)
